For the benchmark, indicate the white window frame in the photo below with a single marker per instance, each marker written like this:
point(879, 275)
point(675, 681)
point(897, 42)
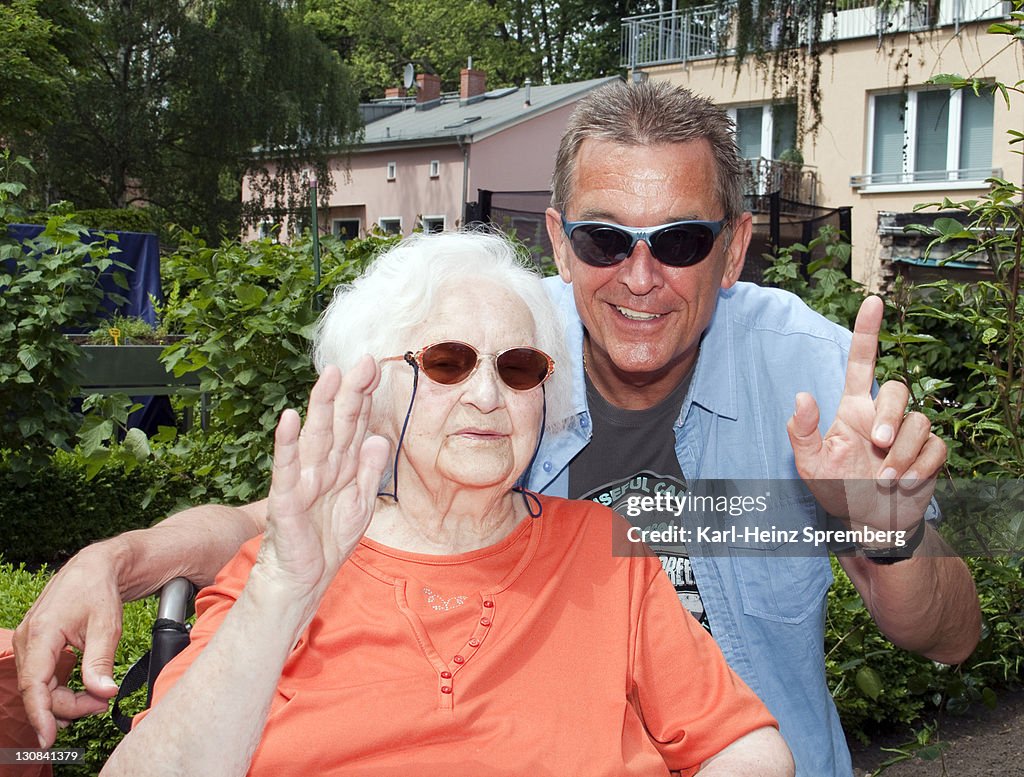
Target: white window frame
point(906, 181)
point(435, 168)
point(435, 219)
point(390, 220)
point(767, 124)
point(392, 171)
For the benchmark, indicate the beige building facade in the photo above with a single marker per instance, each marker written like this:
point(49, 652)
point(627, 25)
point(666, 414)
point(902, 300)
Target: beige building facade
point(888, 139)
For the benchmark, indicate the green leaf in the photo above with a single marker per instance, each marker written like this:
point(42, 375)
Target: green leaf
point(951, 228)
point(29, 357)
point(887, 337)
point(94, 434)
point(30, 425)
point(869, 682)
point(137, 444)
point(249, 295)
point(918, 683)
point(1002, 28)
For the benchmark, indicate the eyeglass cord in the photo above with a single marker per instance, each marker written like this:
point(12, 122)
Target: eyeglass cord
point(405, 425)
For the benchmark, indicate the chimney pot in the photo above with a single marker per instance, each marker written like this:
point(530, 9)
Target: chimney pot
point(472, 85)
point(428, 88)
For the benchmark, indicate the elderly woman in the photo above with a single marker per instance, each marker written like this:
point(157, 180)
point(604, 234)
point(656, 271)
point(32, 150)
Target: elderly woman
point(449, 622)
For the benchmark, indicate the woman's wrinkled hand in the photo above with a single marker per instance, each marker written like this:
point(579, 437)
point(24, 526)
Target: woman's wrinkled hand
point(324, 483)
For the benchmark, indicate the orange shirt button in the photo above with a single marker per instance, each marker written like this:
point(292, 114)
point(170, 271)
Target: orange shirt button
point(488, 603)
point(445, 689)
point(459, 660)
point(446, 675)
point(474, 642)
point(485, 621)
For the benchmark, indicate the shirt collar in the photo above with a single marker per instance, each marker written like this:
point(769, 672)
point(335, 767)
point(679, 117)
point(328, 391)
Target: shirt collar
point(714, 385)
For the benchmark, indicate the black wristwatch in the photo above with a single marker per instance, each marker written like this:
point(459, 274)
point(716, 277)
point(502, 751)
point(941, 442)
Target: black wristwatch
point(896, 554)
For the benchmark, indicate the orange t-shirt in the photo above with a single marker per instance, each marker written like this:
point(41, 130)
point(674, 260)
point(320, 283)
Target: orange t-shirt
point(545, 654)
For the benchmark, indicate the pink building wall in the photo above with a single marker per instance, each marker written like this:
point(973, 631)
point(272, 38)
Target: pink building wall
point(519, 158)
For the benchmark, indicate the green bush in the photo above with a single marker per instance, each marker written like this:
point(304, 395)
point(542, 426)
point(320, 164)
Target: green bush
point(57, 511)
point(247, 313)
point(877, 686)
point(105, 219)
point(97, 734)
point(50, 283)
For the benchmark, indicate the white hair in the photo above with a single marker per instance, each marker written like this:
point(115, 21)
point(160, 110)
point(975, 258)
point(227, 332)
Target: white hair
point(380, 312)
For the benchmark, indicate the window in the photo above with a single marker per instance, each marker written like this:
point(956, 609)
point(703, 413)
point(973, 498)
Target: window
point(433, 223)
point(435, 168)
point(266, 229)
point(345, 229)
point(390, 226)
point(929, 136)
point(765, 130)
point(392, 170)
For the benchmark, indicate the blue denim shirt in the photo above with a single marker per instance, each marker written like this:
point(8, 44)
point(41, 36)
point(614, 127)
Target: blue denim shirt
point(766, 606)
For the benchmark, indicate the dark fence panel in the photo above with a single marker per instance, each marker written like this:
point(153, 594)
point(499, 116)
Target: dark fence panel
point(780, 223)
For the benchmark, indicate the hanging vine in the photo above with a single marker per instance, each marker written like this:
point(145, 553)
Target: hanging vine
point(787, 39)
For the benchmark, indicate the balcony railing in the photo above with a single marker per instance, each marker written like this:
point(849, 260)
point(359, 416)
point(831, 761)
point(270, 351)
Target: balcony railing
point(795, 183)
point(692, 33)
point(708, 31)
point(965, 175)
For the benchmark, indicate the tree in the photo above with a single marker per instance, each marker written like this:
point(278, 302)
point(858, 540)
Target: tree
point(31, 87)
point(377, 38)
point(575, 39)
point(173, 100)
point(549, 41)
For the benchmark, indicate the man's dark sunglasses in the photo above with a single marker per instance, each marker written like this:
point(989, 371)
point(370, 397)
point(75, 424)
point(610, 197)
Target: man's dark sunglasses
point(679, 244)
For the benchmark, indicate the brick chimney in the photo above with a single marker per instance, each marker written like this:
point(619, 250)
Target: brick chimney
point(428, 90)
point(472, 85)
point(393, 92)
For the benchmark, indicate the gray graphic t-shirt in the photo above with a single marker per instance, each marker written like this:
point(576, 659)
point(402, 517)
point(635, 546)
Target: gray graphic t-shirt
point(632, 454)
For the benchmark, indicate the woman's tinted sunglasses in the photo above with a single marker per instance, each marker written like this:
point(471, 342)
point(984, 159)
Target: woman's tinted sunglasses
point(679, 244)
point(451, 362)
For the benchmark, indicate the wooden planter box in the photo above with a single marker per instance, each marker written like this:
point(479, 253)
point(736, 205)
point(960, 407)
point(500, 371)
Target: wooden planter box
point(131, 369)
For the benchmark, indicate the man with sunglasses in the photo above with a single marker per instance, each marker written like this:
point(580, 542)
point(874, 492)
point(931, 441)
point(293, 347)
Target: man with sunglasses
point(682, 376)
point(684, 390)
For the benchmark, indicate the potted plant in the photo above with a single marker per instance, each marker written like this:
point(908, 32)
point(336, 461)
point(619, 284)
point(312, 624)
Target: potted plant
point(124, 356)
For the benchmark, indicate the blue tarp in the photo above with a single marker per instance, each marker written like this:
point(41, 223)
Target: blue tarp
point(140, 251)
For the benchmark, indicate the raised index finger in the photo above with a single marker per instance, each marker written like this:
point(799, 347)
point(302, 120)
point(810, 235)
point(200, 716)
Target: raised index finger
point(860, 370)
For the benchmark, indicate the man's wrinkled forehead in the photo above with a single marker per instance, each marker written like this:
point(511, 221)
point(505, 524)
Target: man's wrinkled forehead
point(589, 198)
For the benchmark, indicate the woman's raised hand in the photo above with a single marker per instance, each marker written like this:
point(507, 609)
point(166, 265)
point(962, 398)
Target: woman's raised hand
point(324, 482)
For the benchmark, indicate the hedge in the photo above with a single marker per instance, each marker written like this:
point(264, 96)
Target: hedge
point(58, 511)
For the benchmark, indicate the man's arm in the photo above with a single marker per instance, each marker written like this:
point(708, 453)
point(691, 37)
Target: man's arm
point(876, 467)
point(81, 605)
point(926, 603)
point(761, 753)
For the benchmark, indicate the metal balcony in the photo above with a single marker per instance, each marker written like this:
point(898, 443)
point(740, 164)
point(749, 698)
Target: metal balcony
point(796, 184)
point(708, 31)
